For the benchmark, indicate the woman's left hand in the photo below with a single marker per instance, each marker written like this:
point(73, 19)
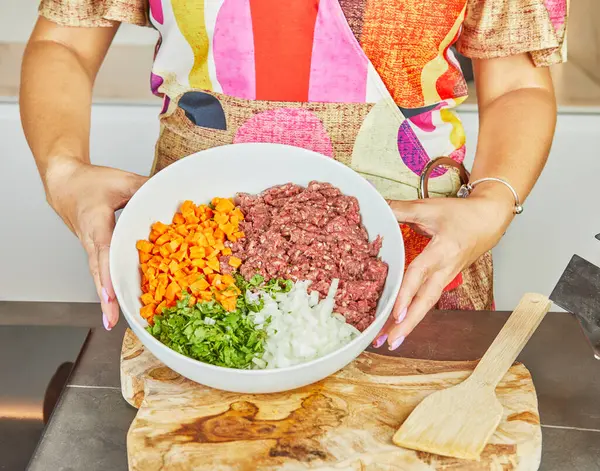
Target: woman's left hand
point(461, 230)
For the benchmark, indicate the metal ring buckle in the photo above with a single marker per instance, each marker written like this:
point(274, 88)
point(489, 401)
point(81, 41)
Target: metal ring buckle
point(444, 161)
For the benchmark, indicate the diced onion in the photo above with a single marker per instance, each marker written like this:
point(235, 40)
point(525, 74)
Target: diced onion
point(301, 328)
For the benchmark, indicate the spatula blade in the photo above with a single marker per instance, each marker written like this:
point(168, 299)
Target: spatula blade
point(578, 292)
point(456, 422)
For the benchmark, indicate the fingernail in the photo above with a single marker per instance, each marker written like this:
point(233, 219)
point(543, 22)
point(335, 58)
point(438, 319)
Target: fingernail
point(396, 343)
point(401, 316)
point(379, 341)
point(105, 297)
point(105, 322)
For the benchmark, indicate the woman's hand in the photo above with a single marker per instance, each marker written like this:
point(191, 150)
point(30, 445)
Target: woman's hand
point(462, 229)
point(86, 197)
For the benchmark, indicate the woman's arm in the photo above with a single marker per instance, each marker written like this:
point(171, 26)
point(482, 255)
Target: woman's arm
point(517, 116)
point(59, 68)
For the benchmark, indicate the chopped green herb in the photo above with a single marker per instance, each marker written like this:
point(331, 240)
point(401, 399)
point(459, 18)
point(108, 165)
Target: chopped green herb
point(208, 333)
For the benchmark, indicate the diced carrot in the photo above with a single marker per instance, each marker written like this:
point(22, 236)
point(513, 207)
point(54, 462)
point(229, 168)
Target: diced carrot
point(154, 264)
point(235, 262)
point(153, 236)
point(184, 255)
point(179, 256)
point(148, 311)
point(187, 207)
point(199, 263)
point(174, 245)
point(227, 228)
point(160, 307)
point(229, 304)
point(144, 257)
point(199, 285)
point(192, 301)
point(147, 298)
point(173, 266)
point(161, 289)
point(165, 252)
point(202, 240)
point(213, 263)
point(163, 239)
point(144, 246)
point(197, 252)
point(224, 206)
point(159, 227)
point(172, 291)
point(221, 218)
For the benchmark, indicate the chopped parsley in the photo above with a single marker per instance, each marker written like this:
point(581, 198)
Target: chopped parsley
point(208, 333)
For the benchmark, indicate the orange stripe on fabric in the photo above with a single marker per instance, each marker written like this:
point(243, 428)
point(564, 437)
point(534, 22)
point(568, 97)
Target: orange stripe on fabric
point(283, 44)
point(401, 37)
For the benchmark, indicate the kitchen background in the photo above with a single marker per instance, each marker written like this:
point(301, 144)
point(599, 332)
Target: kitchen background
point(41, 261)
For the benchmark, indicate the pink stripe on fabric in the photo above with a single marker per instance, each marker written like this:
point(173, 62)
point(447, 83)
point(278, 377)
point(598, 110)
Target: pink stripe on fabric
point(292, 126)
point(557, 9)
point(338, 71)
point(157, 11)
point(233, 50)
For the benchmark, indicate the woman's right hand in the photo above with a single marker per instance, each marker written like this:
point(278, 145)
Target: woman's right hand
point(86, 197)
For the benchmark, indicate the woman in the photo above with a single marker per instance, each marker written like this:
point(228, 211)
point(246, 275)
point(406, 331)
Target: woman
point(372, 83)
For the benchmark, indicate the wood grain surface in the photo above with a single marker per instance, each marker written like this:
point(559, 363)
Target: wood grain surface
point(345, 422)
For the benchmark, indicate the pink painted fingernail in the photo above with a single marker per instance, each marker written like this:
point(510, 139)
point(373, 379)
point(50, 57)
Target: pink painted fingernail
point(396, 343)
point(105, 322)
point(401, 316)
point(379, 341)
point(105, 297)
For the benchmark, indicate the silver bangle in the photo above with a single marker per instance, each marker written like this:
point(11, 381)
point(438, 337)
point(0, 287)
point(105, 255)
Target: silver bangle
point(466, 190)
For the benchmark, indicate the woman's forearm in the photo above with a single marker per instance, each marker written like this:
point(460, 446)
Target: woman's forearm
point(516, 125)
point(56, 90)
point(515, 135)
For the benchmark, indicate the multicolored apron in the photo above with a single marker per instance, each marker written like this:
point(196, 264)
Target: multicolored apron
point(372, 84)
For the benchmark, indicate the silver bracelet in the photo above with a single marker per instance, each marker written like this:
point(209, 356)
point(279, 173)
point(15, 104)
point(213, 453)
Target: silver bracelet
point(466, 190)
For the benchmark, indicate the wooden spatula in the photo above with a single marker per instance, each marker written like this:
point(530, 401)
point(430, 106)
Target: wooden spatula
point(460, 420)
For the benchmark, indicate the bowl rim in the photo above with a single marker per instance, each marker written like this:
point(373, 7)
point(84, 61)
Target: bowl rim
point(258, 372)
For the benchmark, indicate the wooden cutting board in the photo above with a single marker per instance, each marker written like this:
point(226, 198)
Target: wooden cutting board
point(344, 422)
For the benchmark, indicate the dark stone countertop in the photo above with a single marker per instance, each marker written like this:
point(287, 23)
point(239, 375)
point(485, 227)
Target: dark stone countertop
point(89, 426)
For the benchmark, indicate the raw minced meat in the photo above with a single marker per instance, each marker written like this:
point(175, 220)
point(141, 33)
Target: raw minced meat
point(315, 234)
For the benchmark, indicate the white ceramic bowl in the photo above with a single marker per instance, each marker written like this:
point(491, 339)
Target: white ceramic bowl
point(252, 168)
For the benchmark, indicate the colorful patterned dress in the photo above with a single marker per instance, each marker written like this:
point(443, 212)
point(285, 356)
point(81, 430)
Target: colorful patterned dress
point(371, 83)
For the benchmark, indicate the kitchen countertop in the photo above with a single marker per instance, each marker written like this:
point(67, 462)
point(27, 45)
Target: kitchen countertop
point(89, 425)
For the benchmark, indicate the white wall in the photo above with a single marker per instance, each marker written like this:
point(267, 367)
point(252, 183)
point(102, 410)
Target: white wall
point(18, 17)
point(41, 260)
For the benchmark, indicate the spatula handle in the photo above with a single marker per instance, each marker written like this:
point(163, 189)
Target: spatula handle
point(507, 345)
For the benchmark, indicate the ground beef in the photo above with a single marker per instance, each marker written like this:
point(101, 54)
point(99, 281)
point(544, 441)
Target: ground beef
point(312, 233)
